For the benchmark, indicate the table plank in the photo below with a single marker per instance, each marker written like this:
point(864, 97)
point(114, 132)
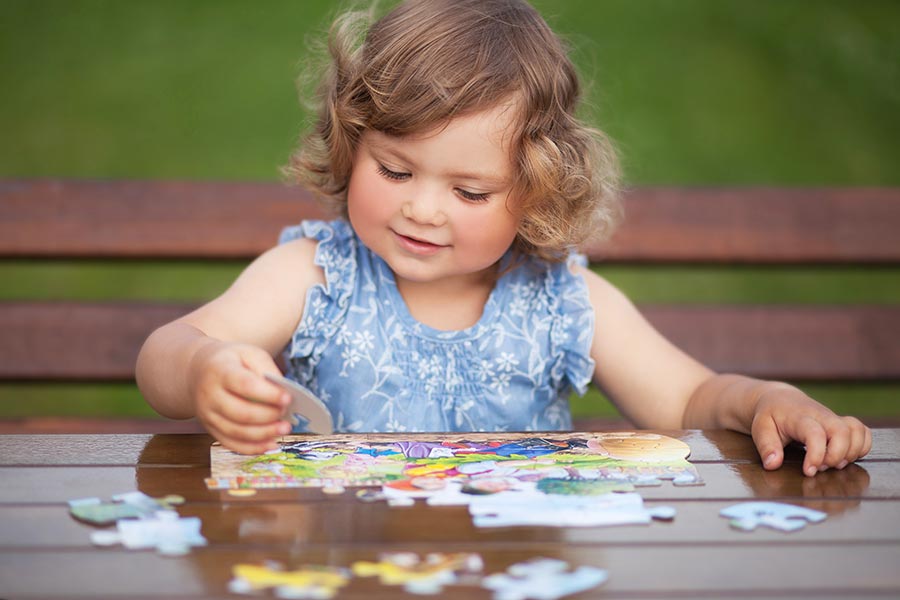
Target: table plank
point(691, 571)
point(280, 525)
point(104, 449)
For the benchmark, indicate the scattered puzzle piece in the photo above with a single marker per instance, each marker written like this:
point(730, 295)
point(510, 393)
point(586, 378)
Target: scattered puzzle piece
point(418, 576)
point(747, 516)
point(141, 522)
point(528, 506)
point(543, 579)
point(164, 530)
point(130, 505)
point(97, 512)
point(309, 581)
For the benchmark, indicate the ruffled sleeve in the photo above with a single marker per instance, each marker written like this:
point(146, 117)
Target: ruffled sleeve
point(326, 305)
point(572, 325)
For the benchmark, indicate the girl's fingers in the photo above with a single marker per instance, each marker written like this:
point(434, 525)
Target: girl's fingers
point(244, 383)
point(838, 443)
point(248, 412)
point(768, 443)
point(237, 445)
point(867, 445)
point(811, 433)
point(246, 439)
point(856, 449)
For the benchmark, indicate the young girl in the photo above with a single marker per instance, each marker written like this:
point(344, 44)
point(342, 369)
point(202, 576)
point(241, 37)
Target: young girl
point(446, 297)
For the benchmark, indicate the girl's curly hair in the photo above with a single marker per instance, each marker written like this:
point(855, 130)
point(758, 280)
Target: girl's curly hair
point(428, 61)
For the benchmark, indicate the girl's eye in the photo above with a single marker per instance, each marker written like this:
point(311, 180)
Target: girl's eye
point(392, 175)
point(472, 196)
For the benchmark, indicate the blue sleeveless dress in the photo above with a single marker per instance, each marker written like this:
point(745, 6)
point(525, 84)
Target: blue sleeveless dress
point(379, 370)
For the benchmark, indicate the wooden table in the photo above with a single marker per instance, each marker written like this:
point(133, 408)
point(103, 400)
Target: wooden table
point(44, 553)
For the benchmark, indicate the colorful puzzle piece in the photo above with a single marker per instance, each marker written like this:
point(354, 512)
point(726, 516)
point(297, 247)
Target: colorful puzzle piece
point(309, 581)
point(747, 516)
point(418, 576)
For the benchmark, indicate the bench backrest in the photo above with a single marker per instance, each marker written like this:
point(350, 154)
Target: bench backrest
point(43, 219)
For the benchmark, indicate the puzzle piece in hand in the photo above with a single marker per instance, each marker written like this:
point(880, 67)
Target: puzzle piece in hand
point(420, 576)
point(305, 407)
point(309, 581)
point(783, 517)
point(130, 505)
point(543, 579)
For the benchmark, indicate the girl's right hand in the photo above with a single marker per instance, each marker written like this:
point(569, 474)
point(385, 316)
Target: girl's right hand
point(234, 401)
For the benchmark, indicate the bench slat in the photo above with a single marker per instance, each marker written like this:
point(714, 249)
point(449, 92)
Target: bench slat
point(71, 341)
point(146, 219)
point(115, 219)
point(91, 341)
point(758, 225)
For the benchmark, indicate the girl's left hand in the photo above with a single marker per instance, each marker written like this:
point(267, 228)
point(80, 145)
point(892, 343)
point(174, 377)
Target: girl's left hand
point(784, 414)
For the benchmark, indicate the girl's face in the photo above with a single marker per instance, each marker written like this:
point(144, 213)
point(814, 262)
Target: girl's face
point(437, 206)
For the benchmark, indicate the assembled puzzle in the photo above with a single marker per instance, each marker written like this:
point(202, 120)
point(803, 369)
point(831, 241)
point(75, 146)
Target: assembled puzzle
point(575, 463)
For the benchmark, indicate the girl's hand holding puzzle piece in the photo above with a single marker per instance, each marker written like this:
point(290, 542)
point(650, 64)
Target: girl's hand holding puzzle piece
point(450, 146)
point(235, 404)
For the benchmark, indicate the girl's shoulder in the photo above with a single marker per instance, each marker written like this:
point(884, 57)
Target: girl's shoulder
point(332, 233)
point(332, 250)
point(546, 277)
point(333, 245)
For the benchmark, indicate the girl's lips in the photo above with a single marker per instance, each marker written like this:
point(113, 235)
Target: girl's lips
point(416, 246)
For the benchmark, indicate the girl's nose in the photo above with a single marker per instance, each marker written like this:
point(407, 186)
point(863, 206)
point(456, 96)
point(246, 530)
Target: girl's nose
point(424, 207)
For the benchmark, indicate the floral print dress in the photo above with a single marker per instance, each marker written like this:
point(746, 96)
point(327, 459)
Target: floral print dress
point(379, 370)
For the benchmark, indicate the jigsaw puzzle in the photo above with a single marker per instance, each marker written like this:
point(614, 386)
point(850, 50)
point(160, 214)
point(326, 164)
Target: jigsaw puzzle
point(601, 461)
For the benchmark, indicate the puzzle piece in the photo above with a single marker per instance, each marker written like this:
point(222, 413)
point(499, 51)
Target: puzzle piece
point(543, 579)
point(552, 510)
point(747, 516)
point(164, 530)
point(130, 505)
point(309, 581)
point(305, 408)
point(418, 576)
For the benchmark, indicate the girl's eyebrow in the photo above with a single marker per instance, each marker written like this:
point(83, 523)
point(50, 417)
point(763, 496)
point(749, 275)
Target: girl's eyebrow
point(480, 177)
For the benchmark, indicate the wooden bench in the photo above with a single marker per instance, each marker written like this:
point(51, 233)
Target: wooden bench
point(50, 219)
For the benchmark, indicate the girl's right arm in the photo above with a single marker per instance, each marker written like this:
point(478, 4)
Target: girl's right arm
point(210, 363)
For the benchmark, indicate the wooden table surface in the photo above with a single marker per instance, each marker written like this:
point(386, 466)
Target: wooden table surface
point(45, 553)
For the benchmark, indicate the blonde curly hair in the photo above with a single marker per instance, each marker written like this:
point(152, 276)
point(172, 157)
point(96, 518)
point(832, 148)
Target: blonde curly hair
point(428, 61)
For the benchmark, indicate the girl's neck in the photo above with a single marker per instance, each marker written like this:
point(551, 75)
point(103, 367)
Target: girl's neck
point(449, 305)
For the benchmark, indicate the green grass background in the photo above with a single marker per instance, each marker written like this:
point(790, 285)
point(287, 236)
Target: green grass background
point(693, 92)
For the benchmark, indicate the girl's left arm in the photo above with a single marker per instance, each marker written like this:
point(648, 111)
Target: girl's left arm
point(656, 385)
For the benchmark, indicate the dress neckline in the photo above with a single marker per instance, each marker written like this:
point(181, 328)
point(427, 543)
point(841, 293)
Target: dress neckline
point(488, 315)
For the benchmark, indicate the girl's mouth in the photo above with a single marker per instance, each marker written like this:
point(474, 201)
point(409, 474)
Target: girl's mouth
point(417, 246)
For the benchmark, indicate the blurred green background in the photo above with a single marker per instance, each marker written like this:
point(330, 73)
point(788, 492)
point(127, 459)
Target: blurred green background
point(693, 92)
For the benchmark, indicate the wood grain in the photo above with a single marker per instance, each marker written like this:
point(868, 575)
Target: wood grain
point(44, 553)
